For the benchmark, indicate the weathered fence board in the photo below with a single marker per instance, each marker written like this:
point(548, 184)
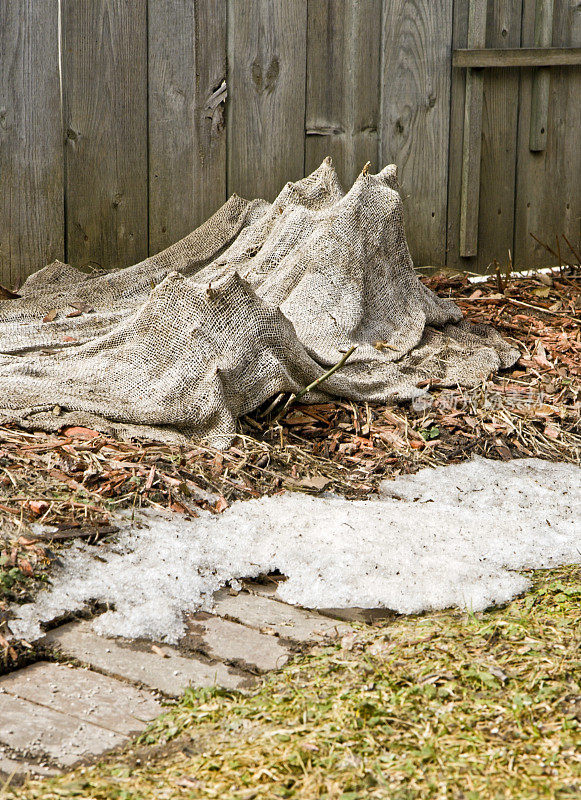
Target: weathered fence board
point(472, 135)
point(548, 187)
point(165, 107)
point(415, 116)
point(31, 157)
point(105, 118)
point(495, 186)
point(187, 96)
point(518, 56)
point(543, 37)
point(343, 62)
point(266, 88)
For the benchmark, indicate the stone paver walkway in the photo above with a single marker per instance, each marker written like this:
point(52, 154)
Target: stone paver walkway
point(105, 691)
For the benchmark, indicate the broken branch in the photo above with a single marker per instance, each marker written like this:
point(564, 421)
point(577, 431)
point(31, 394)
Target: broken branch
point(294, 397)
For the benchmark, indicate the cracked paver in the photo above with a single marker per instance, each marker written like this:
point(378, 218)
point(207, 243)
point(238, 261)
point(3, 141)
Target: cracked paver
point(41, 732)
point(87, 696)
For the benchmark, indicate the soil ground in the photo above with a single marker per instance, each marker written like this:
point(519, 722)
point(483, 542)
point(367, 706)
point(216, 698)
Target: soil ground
point(77, 479)
point(443, 705)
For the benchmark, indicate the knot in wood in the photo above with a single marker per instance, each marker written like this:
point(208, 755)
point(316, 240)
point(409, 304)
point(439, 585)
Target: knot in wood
point(265, 79)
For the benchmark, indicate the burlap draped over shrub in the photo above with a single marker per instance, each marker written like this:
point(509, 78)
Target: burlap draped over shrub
point(263, 298)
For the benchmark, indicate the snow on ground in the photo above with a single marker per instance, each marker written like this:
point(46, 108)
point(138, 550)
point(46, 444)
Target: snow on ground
point(451, 536)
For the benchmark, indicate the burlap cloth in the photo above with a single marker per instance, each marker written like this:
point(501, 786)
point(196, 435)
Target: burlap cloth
point(261, 299)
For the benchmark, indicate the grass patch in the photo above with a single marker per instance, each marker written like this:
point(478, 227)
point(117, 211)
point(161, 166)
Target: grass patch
point(445, 705)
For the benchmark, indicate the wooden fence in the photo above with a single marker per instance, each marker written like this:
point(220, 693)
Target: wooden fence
point(125, 123)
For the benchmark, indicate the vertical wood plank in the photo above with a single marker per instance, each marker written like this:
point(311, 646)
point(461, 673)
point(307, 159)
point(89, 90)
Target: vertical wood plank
point(343, 60)
point(543, 36)
point(31, 145)
point(105, 116)
point(187, 136)
point(548, 185)
point(415, 112)
point(266, 86)
point(499, 142)
point(472, 141)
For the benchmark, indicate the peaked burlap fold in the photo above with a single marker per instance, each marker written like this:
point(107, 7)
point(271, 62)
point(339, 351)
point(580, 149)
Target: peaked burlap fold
point(262, 298)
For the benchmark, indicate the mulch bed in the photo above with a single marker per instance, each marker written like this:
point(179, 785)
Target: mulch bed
point(75, 481)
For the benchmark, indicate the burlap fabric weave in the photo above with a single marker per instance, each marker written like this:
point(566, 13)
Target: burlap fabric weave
point(261, 299)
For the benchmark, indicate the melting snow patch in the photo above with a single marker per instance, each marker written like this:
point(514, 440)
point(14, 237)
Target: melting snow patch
point(451, 536)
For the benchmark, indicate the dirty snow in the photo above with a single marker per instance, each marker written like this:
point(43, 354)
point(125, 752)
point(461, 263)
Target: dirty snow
point(445, 537)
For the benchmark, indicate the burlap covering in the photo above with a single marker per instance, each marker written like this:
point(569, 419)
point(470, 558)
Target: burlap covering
point(261, 299)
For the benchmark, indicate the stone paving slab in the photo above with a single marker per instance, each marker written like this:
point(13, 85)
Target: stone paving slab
point(354, 614)
point(262, 612)
point(54, 715)
point(40, 732)
point(169, 675)
point(87, 696)
point(11, 769)
point(219, 638)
